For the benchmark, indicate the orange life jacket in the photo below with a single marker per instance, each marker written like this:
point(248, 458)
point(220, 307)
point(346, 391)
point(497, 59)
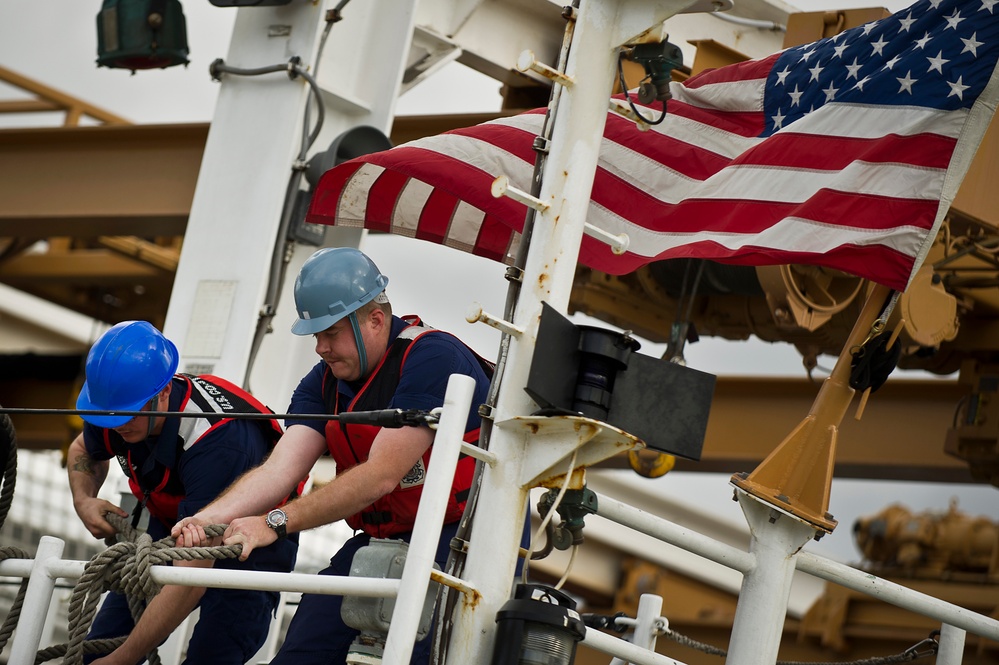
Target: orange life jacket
point(350, 444)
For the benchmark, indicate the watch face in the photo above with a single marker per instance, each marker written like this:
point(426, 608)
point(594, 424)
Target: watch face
point(276, 518)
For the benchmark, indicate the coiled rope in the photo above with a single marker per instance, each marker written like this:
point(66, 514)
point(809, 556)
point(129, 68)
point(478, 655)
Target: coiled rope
point(125, 568)
point(8, 445)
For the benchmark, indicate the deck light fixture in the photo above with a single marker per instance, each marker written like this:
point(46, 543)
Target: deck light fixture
point(538, 626)
point(141, 34)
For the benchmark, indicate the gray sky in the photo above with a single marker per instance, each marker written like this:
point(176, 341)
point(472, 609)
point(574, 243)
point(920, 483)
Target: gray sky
point(55, 43)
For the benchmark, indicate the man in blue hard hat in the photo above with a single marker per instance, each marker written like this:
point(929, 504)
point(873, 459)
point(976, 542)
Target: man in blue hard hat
point(175, 466)
point(370, 360)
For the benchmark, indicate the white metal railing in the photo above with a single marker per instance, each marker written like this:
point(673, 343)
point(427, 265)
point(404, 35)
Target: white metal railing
point(410, 591)
point(955, 620)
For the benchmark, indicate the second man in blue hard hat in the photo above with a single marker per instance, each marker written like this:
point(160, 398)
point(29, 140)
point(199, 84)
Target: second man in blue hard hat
point(370, 360)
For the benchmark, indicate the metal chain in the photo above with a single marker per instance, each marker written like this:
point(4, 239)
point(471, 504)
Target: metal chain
point(921, 649)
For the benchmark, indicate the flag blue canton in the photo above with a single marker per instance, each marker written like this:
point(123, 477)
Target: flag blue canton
point(936, 54)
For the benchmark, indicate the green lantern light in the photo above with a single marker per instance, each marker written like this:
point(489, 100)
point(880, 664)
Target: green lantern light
point(141, 34)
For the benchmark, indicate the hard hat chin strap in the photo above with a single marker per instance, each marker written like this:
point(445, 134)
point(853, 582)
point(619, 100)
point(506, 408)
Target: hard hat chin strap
point(362, 356)
point(150, 421)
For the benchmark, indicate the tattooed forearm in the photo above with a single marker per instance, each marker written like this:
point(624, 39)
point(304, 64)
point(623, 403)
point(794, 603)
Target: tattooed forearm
point(84, 464)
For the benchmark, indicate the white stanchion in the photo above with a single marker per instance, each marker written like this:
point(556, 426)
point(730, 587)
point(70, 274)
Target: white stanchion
point(429, 520)
point(950, 650)
point(37, 598)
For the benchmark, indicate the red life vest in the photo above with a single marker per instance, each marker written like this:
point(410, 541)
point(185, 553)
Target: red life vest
point(350, 444)
point(160, 490)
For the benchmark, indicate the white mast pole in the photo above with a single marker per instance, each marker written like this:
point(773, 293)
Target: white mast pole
point(601, 27)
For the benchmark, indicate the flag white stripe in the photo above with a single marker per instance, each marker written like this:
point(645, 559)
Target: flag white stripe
point(353, 203)
point(792, 234)
point(409, 205)
point(738, 96)
point(868, 121)
point(482, 155)
point(714, 140)
point(794, 185)
point(465, 225)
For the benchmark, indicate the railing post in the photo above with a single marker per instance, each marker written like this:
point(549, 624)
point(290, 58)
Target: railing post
point(429, 520)
point(762, 607)
point(646, 631)
point(951, 647)
point(37, 598)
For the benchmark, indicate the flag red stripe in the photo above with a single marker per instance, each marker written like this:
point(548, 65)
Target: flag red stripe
point(740, 123)
point(720, 215)
point(737, 72)
point(494, 238)
point(382, 198)
point(875, 262)
point(435, 216)
point(671, 152)
point(511, 139)
point(833, 153)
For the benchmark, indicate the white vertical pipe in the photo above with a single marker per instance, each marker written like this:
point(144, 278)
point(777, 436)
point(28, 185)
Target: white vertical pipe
point(650, 609)
point(951, 646)
point(37, 598)
point(52, 616)
point(258, 122)
point(577, 132)
point(645, 633)
point(760, 613)
point(429, 520)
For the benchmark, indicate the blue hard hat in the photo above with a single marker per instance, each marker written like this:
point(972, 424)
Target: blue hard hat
point(128, 366)
point(332, 284)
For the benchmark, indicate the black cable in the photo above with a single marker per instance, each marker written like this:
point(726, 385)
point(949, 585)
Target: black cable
point(380, 418)
point(282, 244)
point(627, 96)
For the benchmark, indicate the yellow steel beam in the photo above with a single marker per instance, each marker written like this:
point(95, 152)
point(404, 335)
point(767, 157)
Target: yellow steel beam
point(164, 258)
point(96, 181)
point(901, 435)
point(52, 99)
point(28, 106)
point(98, 266)
point(122, 180)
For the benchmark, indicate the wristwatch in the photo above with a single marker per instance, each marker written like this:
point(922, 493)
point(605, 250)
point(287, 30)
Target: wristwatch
point(278, 520)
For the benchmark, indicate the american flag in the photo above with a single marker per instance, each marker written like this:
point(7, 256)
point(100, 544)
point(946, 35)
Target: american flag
point(844, 153)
